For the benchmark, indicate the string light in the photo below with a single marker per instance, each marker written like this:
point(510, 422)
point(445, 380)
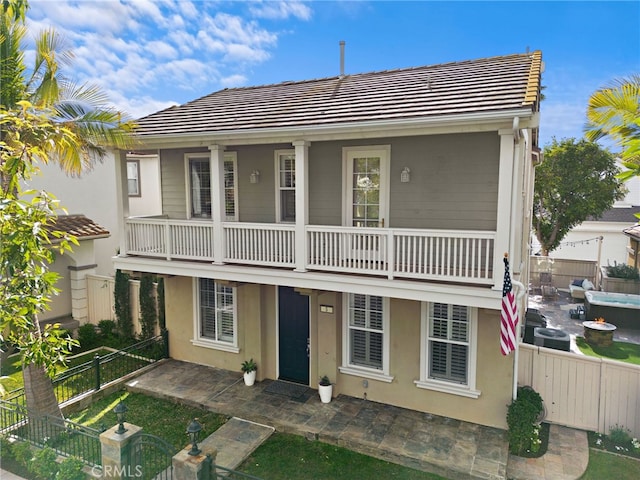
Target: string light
point(581, 242)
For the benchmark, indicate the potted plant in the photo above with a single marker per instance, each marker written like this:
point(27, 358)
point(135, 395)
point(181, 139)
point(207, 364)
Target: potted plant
point(249, 368)
point(325, 389)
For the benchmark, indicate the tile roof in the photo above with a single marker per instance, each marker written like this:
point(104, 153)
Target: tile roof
point(79, 226)
point(633, 232)
point(618, 214)
point(483, 86)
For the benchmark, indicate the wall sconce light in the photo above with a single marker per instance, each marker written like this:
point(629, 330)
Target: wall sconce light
point(120, 411)
point(254, 177)
point(193, 430)
point(405, 175)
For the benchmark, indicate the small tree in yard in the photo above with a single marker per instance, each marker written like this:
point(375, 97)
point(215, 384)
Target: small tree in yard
point(148, 310)
point(577, 180)
point(122, 300)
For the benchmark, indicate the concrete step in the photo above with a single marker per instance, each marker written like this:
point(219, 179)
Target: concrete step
point(235, 441)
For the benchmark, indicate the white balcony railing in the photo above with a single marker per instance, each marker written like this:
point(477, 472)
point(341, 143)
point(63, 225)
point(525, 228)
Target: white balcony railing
point(441, 255)
point(269, 244)
point(184, 239)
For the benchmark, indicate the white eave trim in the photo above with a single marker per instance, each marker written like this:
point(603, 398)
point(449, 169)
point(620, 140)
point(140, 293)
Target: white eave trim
point(480, 297)
point(377, 128)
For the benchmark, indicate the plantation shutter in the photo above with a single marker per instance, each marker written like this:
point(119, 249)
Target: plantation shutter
point(449, 342)
point(366, 331)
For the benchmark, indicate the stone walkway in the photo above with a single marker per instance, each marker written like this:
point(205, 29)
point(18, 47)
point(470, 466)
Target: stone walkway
point(447, 447)
point(235, 441)
point(567, 458)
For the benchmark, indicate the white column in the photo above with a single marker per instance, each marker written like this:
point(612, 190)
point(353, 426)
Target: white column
point(302, 203)
point(122, 198)
point(79, 292)
point(503, 224)
point(216, 165)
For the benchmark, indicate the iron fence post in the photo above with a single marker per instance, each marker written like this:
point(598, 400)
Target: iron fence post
point(165, 339)
point(96, 365)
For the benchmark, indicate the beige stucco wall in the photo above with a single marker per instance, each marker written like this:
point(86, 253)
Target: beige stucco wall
point(257, 338)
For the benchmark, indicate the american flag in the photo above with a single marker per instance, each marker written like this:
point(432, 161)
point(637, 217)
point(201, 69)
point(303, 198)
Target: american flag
point(508, 314)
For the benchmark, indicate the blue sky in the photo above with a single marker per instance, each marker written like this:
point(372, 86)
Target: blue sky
point(148, 55)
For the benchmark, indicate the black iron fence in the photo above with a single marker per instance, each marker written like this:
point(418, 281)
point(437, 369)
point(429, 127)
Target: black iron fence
point(88, 377)
point(63, 436)
point(91, 376)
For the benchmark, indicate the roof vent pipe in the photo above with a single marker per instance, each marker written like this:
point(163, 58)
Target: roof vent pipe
point(342, 58)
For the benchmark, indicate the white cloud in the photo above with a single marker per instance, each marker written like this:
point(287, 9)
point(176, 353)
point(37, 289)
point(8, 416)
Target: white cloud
point(161, 50)
point(149, 52)
point(245, 53)
point(281, 10)
point(233, 81)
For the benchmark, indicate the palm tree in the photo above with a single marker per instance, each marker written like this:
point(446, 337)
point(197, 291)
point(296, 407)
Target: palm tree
point(45, 117)
point(614, 111)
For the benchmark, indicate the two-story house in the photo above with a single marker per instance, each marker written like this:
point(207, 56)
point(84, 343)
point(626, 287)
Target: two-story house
point(351, 226)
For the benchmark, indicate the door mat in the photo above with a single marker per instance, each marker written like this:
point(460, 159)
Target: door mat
point(291, 390)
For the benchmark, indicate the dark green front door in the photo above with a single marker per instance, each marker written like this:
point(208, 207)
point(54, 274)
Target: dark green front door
point(293, 334)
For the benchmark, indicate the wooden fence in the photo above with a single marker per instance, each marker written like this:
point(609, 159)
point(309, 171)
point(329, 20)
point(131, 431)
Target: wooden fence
point(583, 392)
point(102, 303)
point(562, 271)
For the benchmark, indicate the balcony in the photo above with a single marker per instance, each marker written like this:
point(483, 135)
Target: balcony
point(434, 255)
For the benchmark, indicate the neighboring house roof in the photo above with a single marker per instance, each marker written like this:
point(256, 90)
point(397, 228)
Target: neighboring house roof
point(485, 87)
point(633, 232)
point(81, 227)
point(623, 215)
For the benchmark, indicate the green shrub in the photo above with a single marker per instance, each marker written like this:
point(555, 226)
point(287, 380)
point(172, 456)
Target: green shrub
point(107, 328)
point(88, 336)
point(22, 453)
point(44, 463)
point(71, 469)
point(149, 313)
point(522, 417)
point(620, 436)
point(621, 270)
point(123, 304)
point(6, 448)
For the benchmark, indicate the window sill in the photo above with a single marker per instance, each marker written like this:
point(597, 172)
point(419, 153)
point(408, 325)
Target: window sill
point(366, 374)
point(225, 347)
point(443, 387)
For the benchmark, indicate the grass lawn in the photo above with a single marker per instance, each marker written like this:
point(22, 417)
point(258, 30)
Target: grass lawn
point(163, 418)
point(621, 351)
point(606, 465)
point(285, 456)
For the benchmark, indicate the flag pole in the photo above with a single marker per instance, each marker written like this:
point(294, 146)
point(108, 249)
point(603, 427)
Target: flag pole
point(516, 354)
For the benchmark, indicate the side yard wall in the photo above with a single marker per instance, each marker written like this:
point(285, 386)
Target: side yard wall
point(583, 392)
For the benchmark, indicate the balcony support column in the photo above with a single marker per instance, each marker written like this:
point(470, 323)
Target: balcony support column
point(122, 192)
point(503, 243)
point(217, 201)
point(302, 203)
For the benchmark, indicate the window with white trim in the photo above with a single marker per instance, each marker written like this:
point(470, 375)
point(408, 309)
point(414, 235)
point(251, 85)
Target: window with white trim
point(216, 319)
point(286, 185)
point(448, 348)
point(366, 342)
point(199, 181)
point(133, 178)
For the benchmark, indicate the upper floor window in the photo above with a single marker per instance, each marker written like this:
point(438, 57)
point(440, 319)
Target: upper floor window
point(286, 185)
point(199, 180)
point(133, 178)
point(366, 337)
point(448, 348)
point(216, 322)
